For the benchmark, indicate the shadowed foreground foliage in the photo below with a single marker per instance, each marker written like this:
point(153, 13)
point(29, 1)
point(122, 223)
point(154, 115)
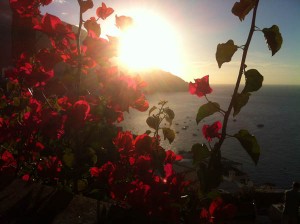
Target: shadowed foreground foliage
point(58, 129)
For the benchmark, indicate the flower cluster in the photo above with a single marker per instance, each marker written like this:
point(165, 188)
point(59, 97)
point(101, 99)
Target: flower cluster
point(218, 211)
point(59, 106)
point(143, 177)
point(57, 130)
point(201, 88)
point(49, 122)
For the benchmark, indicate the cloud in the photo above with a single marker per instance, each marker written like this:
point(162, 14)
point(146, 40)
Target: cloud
point(60, 1)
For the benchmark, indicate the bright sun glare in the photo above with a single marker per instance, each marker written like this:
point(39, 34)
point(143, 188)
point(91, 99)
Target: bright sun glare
point(150, 43)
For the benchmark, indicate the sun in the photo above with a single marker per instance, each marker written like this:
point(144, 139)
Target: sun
point(150, 43)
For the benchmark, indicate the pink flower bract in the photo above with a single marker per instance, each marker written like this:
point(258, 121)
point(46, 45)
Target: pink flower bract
point(103, 12)
point(200, 87)
point(212, 131)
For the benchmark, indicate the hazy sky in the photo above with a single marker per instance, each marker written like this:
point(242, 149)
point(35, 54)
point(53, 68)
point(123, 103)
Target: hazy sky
point(199, 25)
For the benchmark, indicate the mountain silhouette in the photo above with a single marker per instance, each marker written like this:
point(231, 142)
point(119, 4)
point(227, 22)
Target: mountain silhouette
point(161, 81)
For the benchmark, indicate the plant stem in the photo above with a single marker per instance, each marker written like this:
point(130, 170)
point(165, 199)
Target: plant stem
point(77, 95)
point(218, 145)
point(79, 67)
point(158, 125)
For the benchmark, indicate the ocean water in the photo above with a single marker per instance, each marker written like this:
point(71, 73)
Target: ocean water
point(276, 107)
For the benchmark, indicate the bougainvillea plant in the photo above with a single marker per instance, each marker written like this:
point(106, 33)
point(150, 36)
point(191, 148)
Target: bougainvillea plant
point(60, 103)
point(217, 212)
point(56, 124)
point(208, 157)
point(62, 97)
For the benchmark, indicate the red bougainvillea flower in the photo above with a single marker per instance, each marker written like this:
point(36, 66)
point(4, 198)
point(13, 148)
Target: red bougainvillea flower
point(139, 194)
point(45, 2)
point(218, 211)
point(35, 105)
point(26, 8)
point(8, 160)
point(47, 59)
point(91, 25)
point(168, 168)
point(200, 87)
point(103, 172)
point(26, 177)
point(141, 104)
point(215, 206)
point(143, 165)
point(95, 47)
point(103, 12)
point(124, 141)
point(81, 109)
point(204, 214)
point(64, 103)
point(123, 22)
point(86, 5)
point(143, 144)
point(52, 124)
point(52, 25)
point(49, 167)
point(49, 24)
point(94, 171)
point(212, 131)
point(39, 77)
point(171, 157)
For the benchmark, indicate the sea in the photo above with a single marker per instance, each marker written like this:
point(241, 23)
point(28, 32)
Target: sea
point(272, 115)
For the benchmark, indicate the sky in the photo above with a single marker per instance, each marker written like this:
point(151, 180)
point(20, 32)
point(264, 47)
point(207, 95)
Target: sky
point(198, 26)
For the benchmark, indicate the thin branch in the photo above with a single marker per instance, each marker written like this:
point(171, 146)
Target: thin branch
point(241, 71)
point(78, 74)
point(47, 101)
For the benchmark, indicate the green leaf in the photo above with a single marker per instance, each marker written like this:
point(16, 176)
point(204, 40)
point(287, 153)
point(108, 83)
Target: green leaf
point(95, 193)
point(3, 103)
point(17, 101)
point(249, 143)
point(215, 193)
point(10, 86)
point(152, 109)
point(162, 102)
point(253, 81)
point(242, 8)
point(93, 155)
point(153, 122)
point(170, 115)
point(200, 152)
point(273, 38)
point(68, 158)
point(207, 110)
point(169, 134)
point(225, 52)
point(240, 101)
point(82, 184)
